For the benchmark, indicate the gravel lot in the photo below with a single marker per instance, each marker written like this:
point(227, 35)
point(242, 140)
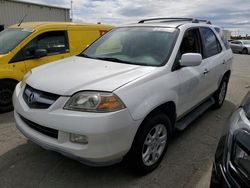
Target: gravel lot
point(188, 161)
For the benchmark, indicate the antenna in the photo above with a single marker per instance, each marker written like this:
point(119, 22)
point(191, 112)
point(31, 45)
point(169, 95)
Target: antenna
point(22, 20)
point(71, 3)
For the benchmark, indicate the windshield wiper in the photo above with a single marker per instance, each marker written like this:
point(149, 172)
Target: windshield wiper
point(114, 59)
point(106, 59)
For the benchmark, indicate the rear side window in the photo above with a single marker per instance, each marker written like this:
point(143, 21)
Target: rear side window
point(210, 42)
point(223, 38)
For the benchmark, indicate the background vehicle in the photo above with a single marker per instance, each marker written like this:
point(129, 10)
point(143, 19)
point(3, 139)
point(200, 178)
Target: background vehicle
point(232, 159)
point(127, 92)
point(240, 46)
point(32, 44)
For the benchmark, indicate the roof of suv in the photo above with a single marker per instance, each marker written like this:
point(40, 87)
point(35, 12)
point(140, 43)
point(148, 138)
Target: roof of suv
point(170, 22)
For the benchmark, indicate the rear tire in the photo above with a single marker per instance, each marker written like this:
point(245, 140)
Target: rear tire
point(150, 143)
point(6, 91)
point(220, 94)
point(244, 51)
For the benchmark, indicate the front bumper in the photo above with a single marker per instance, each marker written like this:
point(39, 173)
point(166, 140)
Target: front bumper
point(110, 135)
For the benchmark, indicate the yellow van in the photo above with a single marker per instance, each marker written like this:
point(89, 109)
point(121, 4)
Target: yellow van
point(25, 46)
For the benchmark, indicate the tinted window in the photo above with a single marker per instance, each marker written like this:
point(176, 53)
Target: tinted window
point(54, 42)
point(236, 42)
point(211, 44)
point(134, 45)
point(191, 42)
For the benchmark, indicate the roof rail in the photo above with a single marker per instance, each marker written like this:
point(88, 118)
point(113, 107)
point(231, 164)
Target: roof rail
point(193, 20)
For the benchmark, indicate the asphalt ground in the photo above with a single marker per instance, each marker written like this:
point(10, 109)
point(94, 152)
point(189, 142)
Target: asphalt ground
point(188, 161)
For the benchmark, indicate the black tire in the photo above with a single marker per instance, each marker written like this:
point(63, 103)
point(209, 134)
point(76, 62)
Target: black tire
point(244, 51)
point(6, 91)
point(135, 156)
point(220, 94)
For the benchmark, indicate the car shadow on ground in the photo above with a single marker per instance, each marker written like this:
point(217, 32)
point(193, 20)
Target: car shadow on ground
point(6, 118)
point(189, 156)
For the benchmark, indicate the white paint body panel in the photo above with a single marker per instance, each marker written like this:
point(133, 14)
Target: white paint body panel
point(140, 88)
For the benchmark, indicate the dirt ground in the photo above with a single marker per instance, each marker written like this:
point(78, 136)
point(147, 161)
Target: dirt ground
point(187, 164)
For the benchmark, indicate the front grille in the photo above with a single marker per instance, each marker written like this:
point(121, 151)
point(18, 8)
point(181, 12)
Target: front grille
point(44, 130)
point(38, 99)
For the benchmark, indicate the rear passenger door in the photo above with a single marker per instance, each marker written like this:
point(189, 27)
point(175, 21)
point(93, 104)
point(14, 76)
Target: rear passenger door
point(213, 60)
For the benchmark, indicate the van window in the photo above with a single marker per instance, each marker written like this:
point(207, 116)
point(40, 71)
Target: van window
point(10, 38)
point(54, 42)
point(211, 44)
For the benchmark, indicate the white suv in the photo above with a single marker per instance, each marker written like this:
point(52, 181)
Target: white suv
point(127, 92)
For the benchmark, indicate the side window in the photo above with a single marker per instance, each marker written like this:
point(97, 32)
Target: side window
point(54, 42)
point(210, 42)
point(191, 43)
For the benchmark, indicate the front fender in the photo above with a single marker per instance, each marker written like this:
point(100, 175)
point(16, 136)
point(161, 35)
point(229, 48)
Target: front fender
point(10, 74)
point(146, 94)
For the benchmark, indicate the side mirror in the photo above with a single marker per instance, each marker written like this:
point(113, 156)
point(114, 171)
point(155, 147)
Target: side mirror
point(40, 53)
point(190, 60)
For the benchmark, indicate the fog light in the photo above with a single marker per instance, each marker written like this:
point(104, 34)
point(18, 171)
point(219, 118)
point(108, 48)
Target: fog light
point(77, 138)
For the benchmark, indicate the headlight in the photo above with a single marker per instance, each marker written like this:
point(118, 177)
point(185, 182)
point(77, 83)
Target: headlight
point(94, 102)
point(242, 159)
point(246, 105)
point(241, 152)
point(26, 76)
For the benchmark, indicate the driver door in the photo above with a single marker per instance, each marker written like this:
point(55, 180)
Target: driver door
point(54, 43)
point(191, 79)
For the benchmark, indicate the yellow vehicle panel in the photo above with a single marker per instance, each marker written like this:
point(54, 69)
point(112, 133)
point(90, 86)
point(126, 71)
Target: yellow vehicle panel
point(39, 43)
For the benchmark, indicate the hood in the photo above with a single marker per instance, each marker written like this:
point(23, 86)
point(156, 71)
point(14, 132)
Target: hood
point(65, 77)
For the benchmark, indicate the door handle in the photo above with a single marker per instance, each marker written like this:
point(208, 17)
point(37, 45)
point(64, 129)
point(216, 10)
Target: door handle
point(206, 71)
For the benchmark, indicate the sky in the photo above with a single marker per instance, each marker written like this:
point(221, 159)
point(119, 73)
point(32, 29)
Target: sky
point(229, 14)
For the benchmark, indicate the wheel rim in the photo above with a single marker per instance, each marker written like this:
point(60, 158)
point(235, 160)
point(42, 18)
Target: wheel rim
point(5, 97)
point(222, 92)
point(154, 144)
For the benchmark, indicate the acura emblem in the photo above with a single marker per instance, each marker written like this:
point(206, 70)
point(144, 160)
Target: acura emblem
point(31, 98)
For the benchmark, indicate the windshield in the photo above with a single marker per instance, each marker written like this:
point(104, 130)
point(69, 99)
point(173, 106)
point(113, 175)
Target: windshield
point(246, 42)
point(150, 46)
point(10, 38)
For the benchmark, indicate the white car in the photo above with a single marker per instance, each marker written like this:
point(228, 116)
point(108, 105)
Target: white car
point(240, 46)
point(125, 94)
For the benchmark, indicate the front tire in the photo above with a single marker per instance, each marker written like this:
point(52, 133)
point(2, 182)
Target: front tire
point(150, 143)
point(220, 94)
point(6, 91)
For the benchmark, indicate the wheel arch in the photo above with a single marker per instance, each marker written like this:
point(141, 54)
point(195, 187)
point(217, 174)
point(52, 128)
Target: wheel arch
point(226, 75)
point(8, 80)
point(168, 108)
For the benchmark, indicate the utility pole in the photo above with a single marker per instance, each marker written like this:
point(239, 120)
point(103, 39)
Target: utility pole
point(71, 3)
